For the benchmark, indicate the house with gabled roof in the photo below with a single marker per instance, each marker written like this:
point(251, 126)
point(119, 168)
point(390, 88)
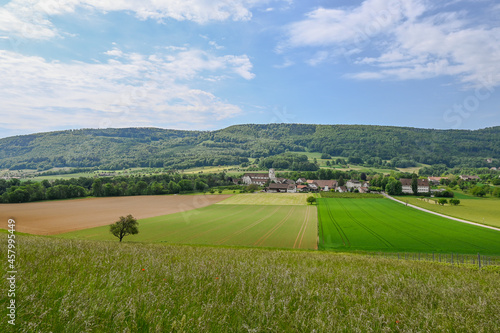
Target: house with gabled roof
point(352, 183)
point(324, 185)
point(259, 178)
point(281, 188)
point(422, 185)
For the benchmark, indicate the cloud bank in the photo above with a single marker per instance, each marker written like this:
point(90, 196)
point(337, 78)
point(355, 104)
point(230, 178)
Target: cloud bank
point(130, 89)
point(414, 40)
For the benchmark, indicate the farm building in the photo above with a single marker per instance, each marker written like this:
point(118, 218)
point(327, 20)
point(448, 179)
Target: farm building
point(281, 188)
point(324, 185)
point(341, 189)
point(465, 177)
point(422, 185)
point(364, 189)
point(435, 180)
point(352, 183)
point(301, 181)
point(302, 188)
point(258, 178)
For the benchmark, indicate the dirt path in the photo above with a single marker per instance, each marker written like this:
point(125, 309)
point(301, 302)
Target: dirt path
point(439, 214)
point(55, 217)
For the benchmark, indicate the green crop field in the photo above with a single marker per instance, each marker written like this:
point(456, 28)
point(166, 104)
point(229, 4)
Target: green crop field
point(385, 225)
point(242, 225)
point(267, 199)
point(481, 210)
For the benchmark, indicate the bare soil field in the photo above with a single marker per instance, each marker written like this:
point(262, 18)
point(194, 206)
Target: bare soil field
point(55, 217)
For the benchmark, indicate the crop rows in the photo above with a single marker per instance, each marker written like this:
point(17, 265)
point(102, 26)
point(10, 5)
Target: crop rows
point(383, 225)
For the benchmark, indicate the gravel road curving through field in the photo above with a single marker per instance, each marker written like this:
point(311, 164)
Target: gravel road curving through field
point(438, 214)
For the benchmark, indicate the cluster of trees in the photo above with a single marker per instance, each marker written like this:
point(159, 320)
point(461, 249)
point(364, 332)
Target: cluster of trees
point(288, 161)
point(149, 147)
point(13, 191)
point(439, 170)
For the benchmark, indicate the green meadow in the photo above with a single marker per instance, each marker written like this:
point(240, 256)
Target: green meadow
point(481, 210)
point(243, 225)
point(285, 199)
point(385, 225)
point(93, 286)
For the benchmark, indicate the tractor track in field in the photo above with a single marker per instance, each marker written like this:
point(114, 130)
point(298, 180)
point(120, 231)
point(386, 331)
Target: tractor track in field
point(236, 233)
point(361, 224)
point(398, 230)
point(337, 226)
point(303, 229)
point(423, 228)
point(268, 234)
point(390, 226)
point(442, 215)
point(206, 222)
point(220, 226)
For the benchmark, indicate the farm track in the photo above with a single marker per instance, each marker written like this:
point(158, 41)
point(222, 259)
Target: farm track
point(196, 226)
point(220, 226)
point(424, 229)
point(303, 229)
point(238, 232)
point(378, 224)
point(362, 225)
point(399, 230)
point(262, 239)
point(442, 215)
point(341, 232)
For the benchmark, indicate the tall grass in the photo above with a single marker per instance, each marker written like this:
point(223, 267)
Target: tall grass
point(89, 286)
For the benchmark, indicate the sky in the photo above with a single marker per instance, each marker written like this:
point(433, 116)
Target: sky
point(209, 64)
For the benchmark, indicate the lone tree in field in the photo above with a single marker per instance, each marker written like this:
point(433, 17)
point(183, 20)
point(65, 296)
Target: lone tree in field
point(311, 200)
point(124, 227)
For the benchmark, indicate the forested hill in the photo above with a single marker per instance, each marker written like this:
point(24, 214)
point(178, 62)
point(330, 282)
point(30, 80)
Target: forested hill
point(173, 149)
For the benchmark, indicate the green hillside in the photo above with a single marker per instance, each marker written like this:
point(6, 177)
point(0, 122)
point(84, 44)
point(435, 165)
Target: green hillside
point(173, 149)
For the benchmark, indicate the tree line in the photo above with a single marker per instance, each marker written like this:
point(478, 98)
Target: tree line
point(15, 191)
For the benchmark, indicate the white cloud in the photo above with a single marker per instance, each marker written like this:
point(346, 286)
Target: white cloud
point(413, 39)
point(31, 18)
point(134, 90)
point(115, 52)
point(327, 26)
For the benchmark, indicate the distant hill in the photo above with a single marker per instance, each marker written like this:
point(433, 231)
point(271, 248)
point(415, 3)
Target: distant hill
point(175, 149)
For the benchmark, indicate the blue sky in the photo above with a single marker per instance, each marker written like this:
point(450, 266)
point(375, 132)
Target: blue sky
point(204, 65)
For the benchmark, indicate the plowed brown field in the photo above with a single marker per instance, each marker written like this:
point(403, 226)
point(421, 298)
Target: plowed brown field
point(54, 217)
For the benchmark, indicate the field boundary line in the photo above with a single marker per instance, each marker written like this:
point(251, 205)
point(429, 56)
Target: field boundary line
point(442, 215)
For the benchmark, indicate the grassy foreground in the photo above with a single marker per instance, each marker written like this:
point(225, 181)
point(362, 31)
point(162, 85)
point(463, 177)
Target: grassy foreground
point(77, 286)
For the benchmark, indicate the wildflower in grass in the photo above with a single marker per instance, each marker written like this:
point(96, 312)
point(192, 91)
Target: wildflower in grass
point(143, 269)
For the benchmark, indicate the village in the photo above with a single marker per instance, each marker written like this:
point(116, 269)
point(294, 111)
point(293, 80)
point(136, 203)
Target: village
point(275, 184)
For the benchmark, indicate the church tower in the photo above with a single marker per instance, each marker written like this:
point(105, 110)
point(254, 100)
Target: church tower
point(272, 176)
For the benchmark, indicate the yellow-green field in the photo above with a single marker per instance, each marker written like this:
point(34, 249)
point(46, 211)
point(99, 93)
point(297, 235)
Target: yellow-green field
point(481, 210)
point(281, 199)
point(238, 225)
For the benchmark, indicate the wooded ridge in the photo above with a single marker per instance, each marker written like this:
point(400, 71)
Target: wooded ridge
point(179, 149)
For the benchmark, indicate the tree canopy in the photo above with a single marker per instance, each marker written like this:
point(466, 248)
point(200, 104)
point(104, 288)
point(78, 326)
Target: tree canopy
point(124, 226)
